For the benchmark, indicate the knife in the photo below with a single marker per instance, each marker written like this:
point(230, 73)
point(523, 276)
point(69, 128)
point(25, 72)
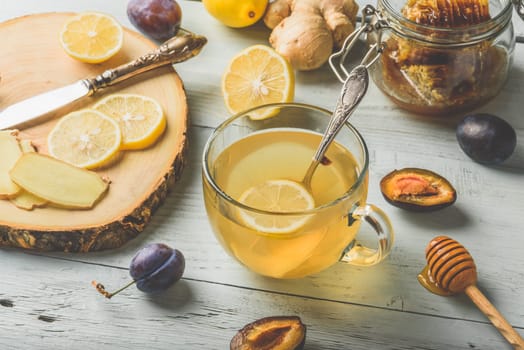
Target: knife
point(177, 49)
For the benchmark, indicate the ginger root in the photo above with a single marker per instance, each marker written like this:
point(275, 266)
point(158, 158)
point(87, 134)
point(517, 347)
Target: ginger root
point(306, 31)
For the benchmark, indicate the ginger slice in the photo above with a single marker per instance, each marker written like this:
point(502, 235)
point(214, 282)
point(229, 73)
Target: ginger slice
point(58, 182)
point(23, 199)
point(28, 201)
point(10, 151)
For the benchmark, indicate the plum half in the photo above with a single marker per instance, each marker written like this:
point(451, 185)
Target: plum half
point(275, 332)
point(417, 189)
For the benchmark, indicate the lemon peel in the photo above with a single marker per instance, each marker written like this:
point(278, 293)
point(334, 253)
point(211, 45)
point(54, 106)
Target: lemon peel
point(235, 13)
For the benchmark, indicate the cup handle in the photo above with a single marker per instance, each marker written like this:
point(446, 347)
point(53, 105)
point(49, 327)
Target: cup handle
point(360, 255)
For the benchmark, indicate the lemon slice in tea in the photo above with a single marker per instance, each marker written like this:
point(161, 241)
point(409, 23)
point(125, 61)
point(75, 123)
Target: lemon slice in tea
point(140, 118)
point(92, 37)
point(85, 138)
point(278, 196)
point(255, 76)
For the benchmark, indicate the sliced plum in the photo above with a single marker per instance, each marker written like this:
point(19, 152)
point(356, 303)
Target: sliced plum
point(417, 189)
point(282, 332)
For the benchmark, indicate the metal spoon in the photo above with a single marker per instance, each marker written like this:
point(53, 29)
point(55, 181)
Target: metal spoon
point(355, 85)
point(353, 90)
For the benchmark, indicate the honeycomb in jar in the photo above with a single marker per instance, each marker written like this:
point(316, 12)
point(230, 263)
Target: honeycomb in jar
point(439, 77)
point(447, 13)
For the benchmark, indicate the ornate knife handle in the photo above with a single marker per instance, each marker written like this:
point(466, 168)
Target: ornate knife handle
point(177, 49)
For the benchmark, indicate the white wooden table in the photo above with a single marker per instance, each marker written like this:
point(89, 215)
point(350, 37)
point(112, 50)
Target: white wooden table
point(47, 302)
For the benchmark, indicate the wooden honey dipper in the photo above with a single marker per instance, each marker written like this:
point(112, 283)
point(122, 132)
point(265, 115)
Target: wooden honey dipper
point(451, 270)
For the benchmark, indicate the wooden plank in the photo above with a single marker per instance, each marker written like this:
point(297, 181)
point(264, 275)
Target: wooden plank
point(382, 307)
point(182, 222)
point(65, 312)
point(485, 216)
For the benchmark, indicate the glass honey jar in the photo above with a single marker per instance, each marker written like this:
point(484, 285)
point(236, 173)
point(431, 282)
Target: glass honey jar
point(442, 60)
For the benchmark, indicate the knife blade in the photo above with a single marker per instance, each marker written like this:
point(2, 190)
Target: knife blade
point(33, 107)
point(177, 49)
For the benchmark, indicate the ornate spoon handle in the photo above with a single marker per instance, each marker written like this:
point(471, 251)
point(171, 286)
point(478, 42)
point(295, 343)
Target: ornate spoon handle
point(353, 90)
point(177, 49)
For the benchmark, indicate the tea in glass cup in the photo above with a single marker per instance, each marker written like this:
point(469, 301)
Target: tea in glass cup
point(266, 217)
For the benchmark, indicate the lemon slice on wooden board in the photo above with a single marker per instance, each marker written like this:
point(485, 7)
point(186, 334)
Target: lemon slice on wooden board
point(141, 118)
point(255, 76)
point(92, 37)
point(278, 196)
point(85, 138)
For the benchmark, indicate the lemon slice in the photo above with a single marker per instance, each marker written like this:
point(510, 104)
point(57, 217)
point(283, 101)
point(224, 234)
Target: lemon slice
point(140, 118)
point(85, 138)
point(279, 196)
point(257, 75)
point(92, 37)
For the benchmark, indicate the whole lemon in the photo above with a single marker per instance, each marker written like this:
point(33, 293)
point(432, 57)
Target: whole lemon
point(236, 13)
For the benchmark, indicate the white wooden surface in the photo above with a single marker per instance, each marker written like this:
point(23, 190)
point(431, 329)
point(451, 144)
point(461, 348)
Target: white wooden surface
point(47, 302)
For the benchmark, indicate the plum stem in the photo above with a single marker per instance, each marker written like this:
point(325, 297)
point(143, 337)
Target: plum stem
point(102, 290)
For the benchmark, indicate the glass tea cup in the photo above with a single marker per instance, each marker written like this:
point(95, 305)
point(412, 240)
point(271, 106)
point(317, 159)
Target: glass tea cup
point(262, 213)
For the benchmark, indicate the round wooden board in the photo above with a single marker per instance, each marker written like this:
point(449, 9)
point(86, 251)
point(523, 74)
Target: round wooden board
point(32, 61)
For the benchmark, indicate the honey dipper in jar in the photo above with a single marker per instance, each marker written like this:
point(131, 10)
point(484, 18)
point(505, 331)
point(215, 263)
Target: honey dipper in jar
point(450, 269)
